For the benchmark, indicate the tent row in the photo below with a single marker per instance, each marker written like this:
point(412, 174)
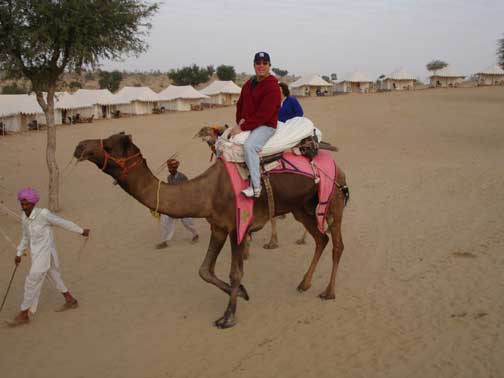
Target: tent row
point(22, 112)
point(399, 80)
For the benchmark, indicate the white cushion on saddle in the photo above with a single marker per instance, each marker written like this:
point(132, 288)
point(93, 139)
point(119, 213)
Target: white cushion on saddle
point(287, 135)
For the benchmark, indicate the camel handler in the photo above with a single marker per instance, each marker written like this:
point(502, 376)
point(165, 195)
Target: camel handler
point(167, 222)
point(257, 112)
point(37, 235)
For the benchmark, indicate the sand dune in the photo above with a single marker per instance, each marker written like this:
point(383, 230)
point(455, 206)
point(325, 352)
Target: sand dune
point(419, 291)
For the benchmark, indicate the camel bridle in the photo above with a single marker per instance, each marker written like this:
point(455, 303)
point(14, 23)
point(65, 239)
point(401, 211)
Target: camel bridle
point(121, 162)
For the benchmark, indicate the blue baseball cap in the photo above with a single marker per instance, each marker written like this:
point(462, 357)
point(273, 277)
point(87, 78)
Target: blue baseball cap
point(261, 55)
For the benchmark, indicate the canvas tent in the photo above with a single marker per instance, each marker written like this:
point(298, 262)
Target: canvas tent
point(18, 111)
point(493, 75)
point(310, 85)
point(102, 100)
point(398, 80)
point(222, 93)
point(136, 100)
point(180, 98)
point(356, 82)
point(445, 78)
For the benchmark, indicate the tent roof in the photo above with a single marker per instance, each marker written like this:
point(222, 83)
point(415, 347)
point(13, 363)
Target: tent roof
point(18, 103)
point(310, 80)
point(184, 92)
point(400, 74)
point(128, 94)
point(221, 86)
point(446, 72)
point(492, 70)
point(355, 77)
point(95, 96)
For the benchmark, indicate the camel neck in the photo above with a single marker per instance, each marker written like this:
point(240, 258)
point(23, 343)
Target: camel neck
point(176, 200)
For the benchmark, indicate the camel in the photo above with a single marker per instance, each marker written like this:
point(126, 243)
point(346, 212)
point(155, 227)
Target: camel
point(210, 196)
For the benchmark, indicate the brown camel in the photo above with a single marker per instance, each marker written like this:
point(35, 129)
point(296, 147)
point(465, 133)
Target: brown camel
point(210, 196)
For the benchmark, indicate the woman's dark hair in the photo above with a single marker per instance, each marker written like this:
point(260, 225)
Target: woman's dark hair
point(285, 89)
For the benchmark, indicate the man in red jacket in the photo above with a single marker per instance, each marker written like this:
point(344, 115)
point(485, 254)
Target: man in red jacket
point(257, 112)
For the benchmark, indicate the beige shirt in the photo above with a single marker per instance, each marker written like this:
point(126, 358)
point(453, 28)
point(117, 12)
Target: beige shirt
point(37, 235)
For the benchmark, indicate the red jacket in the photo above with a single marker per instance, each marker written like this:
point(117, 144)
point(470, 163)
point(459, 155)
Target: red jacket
point(259, 105)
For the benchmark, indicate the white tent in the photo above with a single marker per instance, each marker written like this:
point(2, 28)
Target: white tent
point(445, 77)
point(222, 93)
point(356, 82)
point(180, 98)
point(493, 75)
point(136, 100)
point(103, 101)
point(397, 81)
point(17, 111)
point(310, 85)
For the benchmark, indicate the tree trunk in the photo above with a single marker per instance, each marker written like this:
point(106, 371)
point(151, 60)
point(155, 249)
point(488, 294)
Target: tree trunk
point(48, 107)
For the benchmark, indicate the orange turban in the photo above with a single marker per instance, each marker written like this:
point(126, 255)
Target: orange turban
point(173, 163)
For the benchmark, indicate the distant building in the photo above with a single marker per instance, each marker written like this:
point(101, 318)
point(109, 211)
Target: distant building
point(103, 101)
point(356, 82)
point(399, 80)
point(493, 75)
point(445, 78)
point(180, 98)
point(136, 100)
point(312, 85)
point(221, 92)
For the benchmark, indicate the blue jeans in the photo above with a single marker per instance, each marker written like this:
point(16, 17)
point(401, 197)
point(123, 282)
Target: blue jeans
point(252, 146)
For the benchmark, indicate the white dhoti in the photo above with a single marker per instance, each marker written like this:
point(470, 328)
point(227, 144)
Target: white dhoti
point(33, 286)
point(168, 227)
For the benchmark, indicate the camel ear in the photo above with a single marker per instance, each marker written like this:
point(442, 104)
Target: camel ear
point(122, 133)
point(126, 141)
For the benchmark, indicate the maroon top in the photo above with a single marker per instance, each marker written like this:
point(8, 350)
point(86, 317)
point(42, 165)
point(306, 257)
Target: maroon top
point(259, 103)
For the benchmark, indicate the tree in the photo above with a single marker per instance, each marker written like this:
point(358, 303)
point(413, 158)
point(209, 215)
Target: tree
point(226, 72)
point(190, 75)
point(326, 78)
point(500, 52)
point(75, 85)
point(211, 70)
point(435, 65)
point(279, 72)
point(40, 39)
point(110, 80)
point(334, 77)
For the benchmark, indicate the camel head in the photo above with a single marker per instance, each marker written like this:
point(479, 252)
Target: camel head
point(112, 155)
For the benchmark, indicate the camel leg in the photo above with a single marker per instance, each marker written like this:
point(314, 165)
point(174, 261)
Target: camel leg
point(273, 243)
point(321, 240)
point(246, 251)
point(337, 206)
point(207, 269)
point(235, 276)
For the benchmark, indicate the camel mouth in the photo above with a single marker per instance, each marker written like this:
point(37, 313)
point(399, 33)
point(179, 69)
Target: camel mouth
point(81, 153)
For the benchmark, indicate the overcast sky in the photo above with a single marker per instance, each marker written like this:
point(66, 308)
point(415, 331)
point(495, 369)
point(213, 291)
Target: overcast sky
point(324, 36)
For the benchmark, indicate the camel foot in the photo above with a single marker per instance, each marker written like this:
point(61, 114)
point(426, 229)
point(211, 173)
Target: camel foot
point(300, 241)
point(270, 245)
point(162, 245)
point(302, 287)
point(326, 295)
point(227, 321)
point(243, 293)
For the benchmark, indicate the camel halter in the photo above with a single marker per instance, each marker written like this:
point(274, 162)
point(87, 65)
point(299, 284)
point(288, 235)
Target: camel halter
point(121, 162)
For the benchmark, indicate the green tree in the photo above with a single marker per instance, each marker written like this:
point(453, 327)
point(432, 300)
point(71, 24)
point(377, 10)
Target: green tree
point(75, 85)
point(190, 75)
point(279, 72)
point(110, 80)
point(326, 78)
point(40, 39)
point(500, 52)
point(435, 65)
point(211, 70)
point(14, 89)
point(226, 72)
point(334, 77)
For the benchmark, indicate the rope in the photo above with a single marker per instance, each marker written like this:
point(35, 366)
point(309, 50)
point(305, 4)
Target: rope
point(10, 212)
point(9, 240)
point(269, 192)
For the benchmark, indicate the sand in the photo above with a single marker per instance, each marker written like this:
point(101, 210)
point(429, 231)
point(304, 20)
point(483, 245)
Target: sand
point(420, 288)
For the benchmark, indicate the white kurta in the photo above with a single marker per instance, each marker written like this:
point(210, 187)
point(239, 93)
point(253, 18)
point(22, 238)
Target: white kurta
point(39, 238)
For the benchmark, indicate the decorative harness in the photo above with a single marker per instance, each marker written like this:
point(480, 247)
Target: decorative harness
point(121, 162)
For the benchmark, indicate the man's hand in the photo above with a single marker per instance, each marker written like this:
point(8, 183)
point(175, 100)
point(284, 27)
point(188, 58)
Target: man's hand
point(17, 260)
point(235, 131)
point(86, 232)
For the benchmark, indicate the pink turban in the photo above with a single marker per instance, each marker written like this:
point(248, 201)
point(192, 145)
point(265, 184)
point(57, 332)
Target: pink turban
point(28, 194)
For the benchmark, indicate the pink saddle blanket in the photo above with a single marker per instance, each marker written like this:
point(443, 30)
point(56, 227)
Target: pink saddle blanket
point(325, 170)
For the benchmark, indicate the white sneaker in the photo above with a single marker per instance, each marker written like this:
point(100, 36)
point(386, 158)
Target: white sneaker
point(251, 192)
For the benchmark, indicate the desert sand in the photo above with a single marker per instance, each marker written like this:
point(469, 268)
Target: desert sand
point(419, 291)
